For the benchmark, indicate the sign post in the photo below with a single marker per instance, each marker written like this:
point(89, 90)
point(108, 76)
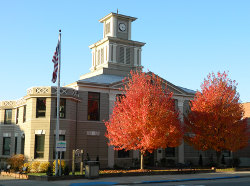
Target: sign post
point(60, 147)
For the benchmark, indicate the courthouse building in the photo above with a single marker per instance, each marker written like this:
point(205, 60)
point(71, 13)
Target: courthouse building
point(27, 126)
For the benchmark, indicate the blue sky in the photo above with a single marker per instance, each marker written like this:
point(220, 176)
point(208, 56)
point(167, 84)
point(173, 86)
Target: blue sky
point(185, 40)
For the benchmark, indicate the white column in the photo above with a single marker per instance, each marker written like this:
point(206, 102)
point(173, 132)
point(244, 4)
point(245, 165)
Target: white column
point(93, 58)
point(135, 57)
point(114, 52)
point(104, 25)
point(125, 56)
point(111, 152)
point(159, 154)
point(129, 30)
point(110, 53)
point(114, 26)
point(181, 147)
point(106, 54)
point(139, 62)
point(136, 154)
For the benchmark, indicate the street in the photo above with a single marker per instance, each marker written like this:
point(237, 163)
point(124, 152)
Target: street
point(209, 179)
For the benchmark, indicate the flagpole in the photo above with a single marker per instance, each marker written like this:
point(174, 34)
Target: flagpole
point(58, 102)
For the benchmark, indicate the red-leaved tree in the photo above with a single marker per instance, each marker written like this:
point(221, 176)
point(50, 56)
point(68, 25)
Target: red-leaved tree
point(144, 118)
point(215, 120)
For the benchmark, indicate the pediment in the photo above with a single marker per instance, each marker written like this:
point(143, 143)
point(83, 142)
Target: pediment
point(171, 87)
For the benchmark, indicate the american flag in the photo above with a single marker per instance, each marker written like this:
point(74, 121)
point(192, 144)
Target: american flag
point(55, 61)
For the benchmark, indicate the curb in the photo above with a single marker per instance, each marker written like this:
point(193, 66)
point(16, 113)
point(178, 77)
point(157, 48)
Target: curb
point(156, 181)
point(94, 183)
point(191, 179)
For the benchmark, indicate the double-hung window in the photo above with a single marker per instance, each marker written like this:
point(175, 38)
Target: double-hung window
point(170, 152)
point(39, 145)
point(24, 113)
point(8, 116)
point(94, 106)
point(17, 115)
point(123, 154)
point(40, 107)
point(6, 145)
point(62, 108)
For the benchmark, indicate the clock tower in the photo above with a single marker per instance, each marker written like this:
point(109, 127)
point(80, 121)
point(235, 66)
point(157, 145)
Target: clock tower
point(115, 53)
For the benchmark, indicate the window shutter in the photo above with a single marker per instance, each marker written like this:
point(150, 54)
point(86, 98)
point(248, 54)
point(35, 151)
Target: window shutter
point(102, 56)
point(98, 61)
point(127, 55)
point(121, 55)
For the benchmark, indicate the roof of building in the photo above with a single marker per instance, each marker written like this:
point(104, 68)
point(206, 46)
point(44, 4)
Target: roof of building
point(103, 79)
point(107, 79)
point(246, 107)
point(117, 15)
point(187, 90)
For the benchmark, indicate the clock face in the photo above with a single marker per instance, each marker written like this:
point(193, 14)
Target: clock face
point(122, 27)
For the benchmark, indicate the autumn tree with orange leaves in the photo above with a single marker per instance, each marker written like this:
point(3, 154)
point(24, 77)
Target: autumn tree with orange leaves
point(215, 120)
point(145, 118)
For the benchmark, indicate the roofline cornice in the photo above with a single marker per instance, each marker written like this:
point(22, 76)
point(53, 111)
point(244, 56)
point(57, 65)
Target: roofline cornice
point(115, 39)
point(117, 15)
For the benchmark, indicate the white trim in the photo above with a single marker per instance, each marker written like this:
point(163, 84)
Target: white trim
point(114, 23)
point(93, 133)
point(61, 132)
point(129, 30)
point(6, 134)
point(40, 131)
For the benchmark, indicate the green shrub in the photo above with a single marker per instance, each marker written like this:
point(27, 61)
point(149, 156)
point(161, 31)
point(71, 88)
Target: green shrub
point(170, 162)
point(16, 162)
point(66, 170)
point(234, 162)
point(49, 171)
point(54, 165)
point(44, 166)
point(163, 162)
point(28, 165)
point(200, 161)
point(35, 166)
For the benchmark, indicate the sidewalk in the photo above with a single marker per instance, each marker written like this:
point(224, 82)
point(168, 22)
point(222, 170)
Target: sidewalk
point(127, 180)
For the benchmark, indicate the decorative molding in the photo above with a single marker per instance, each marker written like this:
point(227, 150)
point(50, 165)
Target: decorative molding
point(63, 91)
point(9, 103)
point(93, 133)
point(40, 131)
point(6, 134)
point(21, 101)
point(75, 93)
point(30, 91)
point(43, 90)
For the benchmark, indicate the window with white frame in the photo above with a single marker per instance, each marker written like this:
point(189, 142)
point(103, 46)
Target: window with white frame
point(6, 145)
point(7, 116)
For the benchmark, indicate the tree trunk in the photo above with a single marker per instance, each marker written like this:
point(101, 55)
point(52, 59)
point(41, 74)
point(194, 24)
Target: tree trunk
point(142, 162)
point(218, 155)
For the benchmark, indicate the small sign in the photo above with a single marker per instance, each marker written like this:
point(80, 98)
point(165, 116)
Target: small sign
point(78, 152)
point(61, 146)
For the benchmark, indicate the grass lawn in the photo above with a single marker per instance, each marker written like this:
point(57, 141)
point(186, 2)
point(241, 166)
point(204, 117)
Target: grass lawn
point(44, 174)
point(136, 171)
